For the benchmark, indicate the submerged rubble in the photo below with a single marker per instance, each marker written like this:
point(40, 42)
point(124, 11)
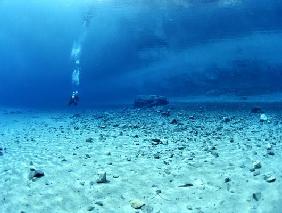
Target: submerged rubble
point(209, 158)
point(147, 101)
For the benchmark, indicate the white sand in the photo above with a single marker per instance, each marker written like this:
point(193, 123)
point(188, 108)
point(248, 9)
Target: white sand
point(55, 142)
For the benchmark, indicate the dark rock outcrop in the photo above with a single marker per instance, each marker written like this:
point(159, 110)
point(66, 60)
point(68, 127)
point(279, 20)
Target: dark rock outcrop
point(147, 101)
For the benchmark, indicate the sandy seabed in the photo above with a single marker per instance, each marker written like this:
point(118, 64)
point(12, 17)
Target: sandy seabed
point(173, 159)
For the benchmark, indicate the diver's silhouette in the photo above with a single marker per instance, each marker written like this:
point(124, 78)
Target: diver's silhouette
point(74, 99)
point(75, 55)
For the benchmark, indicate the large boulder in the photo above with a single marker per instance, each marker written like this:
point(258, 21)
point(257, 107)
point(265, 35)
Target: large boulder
point(143, 101)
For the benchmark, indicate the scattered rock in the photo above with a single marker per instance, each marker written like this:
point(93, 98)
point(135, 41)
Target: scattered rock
point(158, 191)
point(263, 118)
point(226, 119)
point(147, 101)
point(174, 121)
point(165, 113)
point(156, 141)
point(157, 155)
point(269, 146)
point(2, 150)
point(137, 204)
point(35, 174)
point(89, 140)
point(99, 203)
point(256, 172)
point(270, 178)
point(90, 208)
point(102, 177)
point(191, 117)
point(256, 165)
point(227, 179)
point(257, 196)
point(186, 185)
point(270, 152)
point(214, 153)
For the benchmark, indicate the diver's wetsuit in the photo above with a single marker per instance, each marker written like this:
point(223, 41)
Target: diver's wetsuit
point(74, 99)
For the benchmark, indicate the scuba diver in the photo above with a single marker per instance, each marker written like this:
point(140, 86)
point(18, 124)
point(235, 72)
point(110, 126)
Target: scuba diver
point(75, 56)
point(74, 99)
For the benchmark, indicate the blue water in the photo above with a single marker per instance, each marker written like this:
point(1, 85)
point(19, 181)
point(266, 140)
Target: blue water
point(172, 48)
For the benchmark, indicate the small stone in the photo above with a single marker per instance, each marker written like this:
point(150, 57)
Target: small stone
point(158, 191)
point(157, 155)
point(90, 208)
point(35, 174)
point(99, 203)
point(156, 141)
point(257, 196)
point(227, 179)
point(226, 119)
point(256, 172)
point(215, 154)
point(89, 140)
point(263, 118)
point(137, 204)
point(108, 153)
point(174, 121)
point(189, 208)
point(186, 185)
point(270, 178)
point(102, 177)
point(269, 146)
point(191, 117)
point(165, 113)
point(270, 152)
point(256, 165)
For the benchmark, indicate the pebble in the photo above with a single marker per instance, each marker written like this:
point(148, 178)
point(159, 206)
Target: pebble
point(156, 141)
point(263, 118)
point(174, 121)
point(158, 191)
point(226, 119)
point(214, 153)
point(35, 174)
point(137, 204)
point(102, 177)
point(270, 178)
point(2, 151)
point(256, 172)
point(157, 155)
point(256, 165)
point(99, 203)
point(257, 196)
point(89, 140)
point(186, 185)
point(90, 208)
point(270, 152)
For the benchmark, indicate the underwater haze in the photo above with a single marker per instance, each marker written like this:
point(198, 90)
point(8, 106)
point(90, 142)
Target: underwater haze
point(176, 48)
point(144, 106)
